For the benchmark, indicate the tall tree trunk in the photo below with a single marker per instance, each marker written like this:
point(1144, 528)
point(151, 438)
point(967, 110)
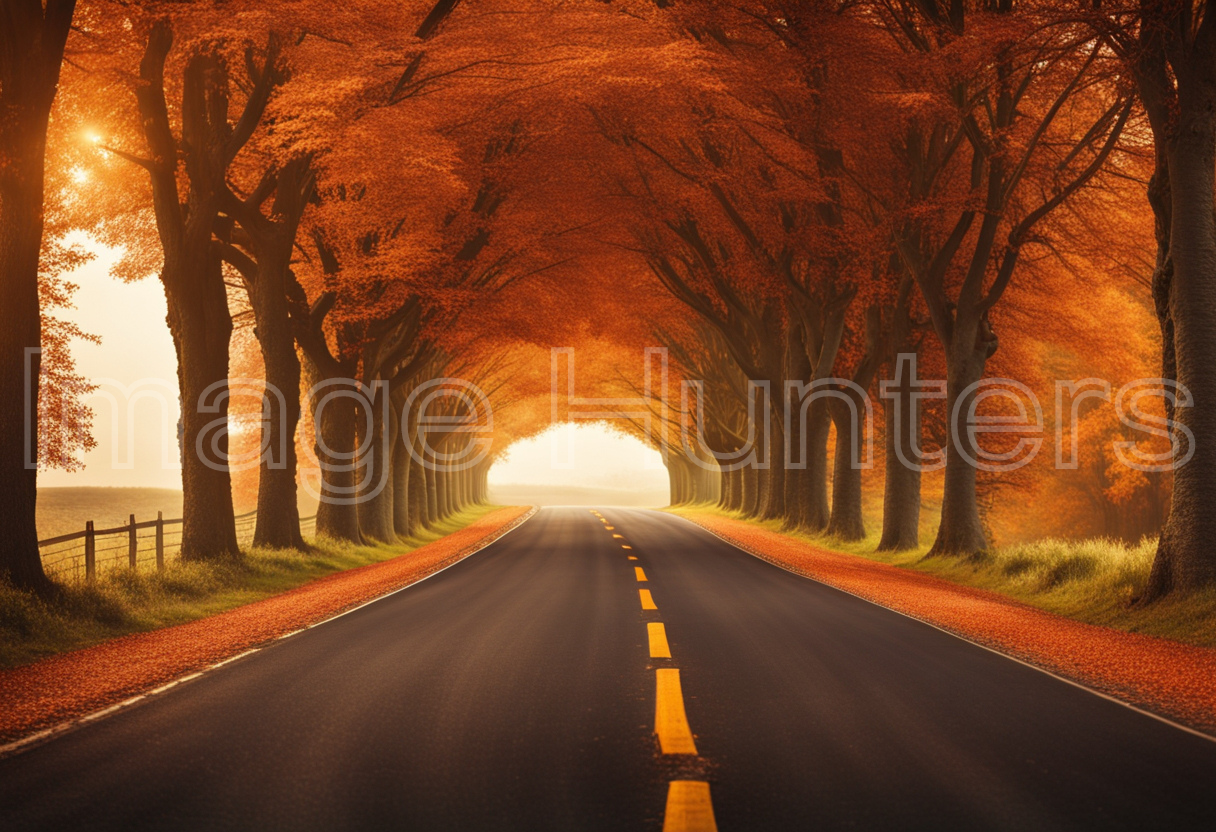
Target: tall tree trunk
point(31, 53)
point(901, 491)
point(432, 496)
point(443, 488)
point(278, 521)
point(376, 503)
point(850, 419)
point(418, 516)
point(201, 327)
point(1185, 560)
point(751, 490)
point(335, 424)
point(731, 490)
point(846, 521)
point(192, 276)
point(336, 427)
point(772, 483)
point(962, 530)
point(401, 488)
point(818, 429)
point(20, 341)
point(736, 491)
point(271, 241)
point(797, 485)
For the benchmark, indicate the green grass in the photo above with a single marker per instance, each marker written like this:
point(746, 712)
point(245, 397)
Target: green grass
point(1092, 580)
point(123, 602)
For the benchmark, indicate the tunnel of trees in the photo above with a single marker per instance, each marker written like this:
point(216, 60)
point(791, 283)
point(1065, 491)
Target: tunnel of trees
point(367, 199)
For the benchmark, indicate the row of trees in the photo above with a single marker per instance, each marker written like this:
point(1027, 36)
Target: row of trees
point(869, 187)
point(397, 193)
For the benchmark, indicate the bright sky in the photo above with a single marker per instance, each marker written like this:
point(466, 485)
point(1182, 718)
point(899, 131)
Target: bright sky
point(136, 407)
point(137, 372)
point(585, 455)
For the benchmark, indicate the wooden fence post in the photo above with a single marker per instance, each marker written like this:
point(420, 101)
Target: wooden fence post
point(133, 547)
point(90, 553)
point(160, 541)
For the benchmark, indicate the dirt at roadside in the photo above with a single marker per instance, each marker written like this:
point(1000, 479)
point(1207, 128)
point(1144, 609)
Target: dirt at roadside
point(1166, 677)
point(58, 689)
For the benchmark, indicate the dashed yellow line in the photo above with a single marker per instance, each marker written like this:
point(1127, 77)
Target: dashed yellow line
point(638, 573)
point(632, 557)
point(659, 649)
point(670, 721)
point(623, 546)
point(647, 601)
point(689, 808)
point(619, 536)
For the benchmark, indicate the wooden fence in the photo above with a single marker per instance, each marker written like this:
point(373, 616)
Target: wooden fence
point(137, 545)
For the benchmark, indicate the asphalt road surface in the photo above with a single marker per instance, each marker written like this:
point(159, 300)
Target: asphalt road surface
point(516, 690)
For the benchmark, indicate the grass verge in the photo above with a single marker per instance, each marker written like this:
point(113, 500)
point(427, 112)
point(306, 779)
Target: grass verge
point(1091, 580)
point(123, 602)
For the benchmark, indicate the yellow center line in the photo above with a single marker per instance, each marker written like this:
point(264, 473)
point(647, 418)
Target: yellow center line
point(623, 546)
point(609, 528)
point(657, 633)
point(689, 808)
point(619, 536)
point(637, 571)
point(670, 721)
point(647, 601)
point(631, 557)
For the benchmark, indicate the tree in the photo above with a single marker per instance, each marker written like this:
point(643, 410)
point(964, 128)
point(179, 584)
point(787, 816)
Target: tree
point(32, 39)
point(1173, 61)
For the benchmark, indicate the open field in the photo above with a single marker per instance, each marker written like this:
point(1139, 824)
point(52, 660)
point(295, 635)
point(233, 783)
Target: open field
point(123, 602)
point(1092, 580)
point(66, 510)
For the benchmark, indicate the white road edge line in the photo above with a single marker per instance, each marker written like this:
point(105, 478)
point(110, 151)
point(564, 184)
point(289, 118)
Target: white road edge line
point(47, 734)
point(1165, 719)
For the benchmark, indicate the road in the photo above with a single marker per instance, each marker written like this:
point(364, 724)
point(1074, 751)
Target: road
point(516, 690)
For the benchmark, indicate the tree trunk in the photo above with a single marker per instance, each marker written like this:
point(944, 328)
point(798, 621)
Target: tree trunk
point(819, 429)
point(31, 52)
point(432, 495)
point(272, 241)
point(732, 490)
point(419, 515)
point(193, 280)
point(846, 521)
point(336, 426)
point(443, 484)
point(1185, 560)
point(901, 491)
point(20, 341)
point(201, 328)
point(751, 490)
point(376, 502)
point(961, 531)
point(278, 521)
point(772, 483)
point(401, 488)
